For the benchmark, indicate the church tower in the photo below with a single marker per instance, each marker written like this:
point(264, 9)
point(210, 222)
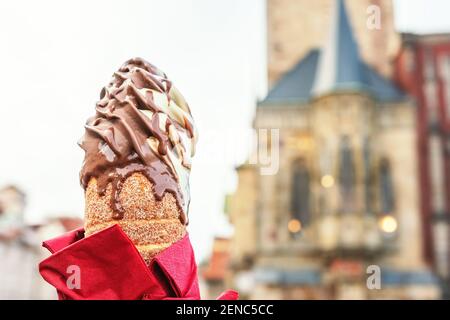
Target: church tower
point(296, 26)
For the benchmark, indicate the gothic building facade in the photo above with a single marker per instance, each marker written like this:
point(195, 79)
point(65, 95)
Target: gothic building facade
point(344, 202)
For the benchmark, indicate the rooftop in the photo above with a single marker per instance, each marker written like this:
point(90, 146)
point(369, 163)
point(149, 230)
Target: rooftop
point(336, 67)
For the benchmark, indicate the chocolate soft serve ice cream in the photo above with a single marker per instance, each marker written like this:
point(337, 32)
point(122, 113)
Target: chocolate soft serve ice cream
point(138, 148)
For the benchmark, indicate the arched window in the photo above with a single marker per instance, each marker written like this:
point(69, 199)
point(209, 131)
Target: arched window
point(367, 176)
point(300, 192)
point(387, 197)
point(347, 174)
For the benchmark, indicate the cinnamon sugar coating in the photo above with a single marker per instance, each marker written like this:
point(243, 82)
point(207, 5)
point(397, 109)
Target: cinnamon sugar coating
point(151, 224)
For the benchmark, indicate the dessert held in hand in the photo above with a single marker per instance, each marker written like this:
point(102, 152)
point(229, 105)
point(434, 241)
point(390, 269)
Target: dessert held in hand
point(138, 148)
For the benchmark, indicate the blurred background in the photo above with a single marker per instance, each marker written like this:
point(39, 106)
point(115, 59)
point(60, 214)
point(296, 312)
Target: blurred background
point(323, 167)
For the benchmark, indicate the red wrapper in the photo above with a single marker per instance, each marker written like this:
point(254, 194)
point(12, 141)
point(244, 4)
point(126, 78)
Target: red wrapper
point(107, 266)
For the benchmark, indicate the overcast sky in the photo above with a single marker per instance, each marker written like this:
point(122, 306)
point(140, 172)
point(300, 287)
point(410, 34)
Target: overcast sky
point(56, 55)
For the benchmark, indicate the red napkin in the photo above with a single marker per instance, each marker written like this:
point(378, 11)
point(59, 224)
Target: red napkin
point(107, 265)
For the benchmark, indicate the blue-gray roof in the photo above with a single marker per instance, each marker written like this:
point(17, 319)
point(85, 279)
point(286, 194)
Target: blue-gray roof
point(389, 277)
point(296, 85)
point(339, 64)
point(279, 276)
point(396, 277)
point(336, 67)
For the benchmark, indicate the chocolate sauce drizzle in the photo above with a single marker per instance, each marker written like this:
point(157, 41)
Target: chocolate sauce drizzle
point(123, 138)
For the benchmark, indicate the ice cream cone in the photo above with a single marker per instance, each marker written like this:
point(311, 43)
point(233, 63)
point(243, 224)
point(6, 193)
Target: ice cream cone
point(151, 224)
point(138, 148)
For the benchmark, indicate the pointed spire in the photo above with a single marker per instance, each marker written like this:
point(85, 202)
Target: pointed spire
point(340, 66)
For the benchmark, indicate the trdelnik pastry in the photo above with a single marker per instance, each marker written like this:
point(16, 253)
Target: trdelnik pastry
point(134, 245)
point(138, 149)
